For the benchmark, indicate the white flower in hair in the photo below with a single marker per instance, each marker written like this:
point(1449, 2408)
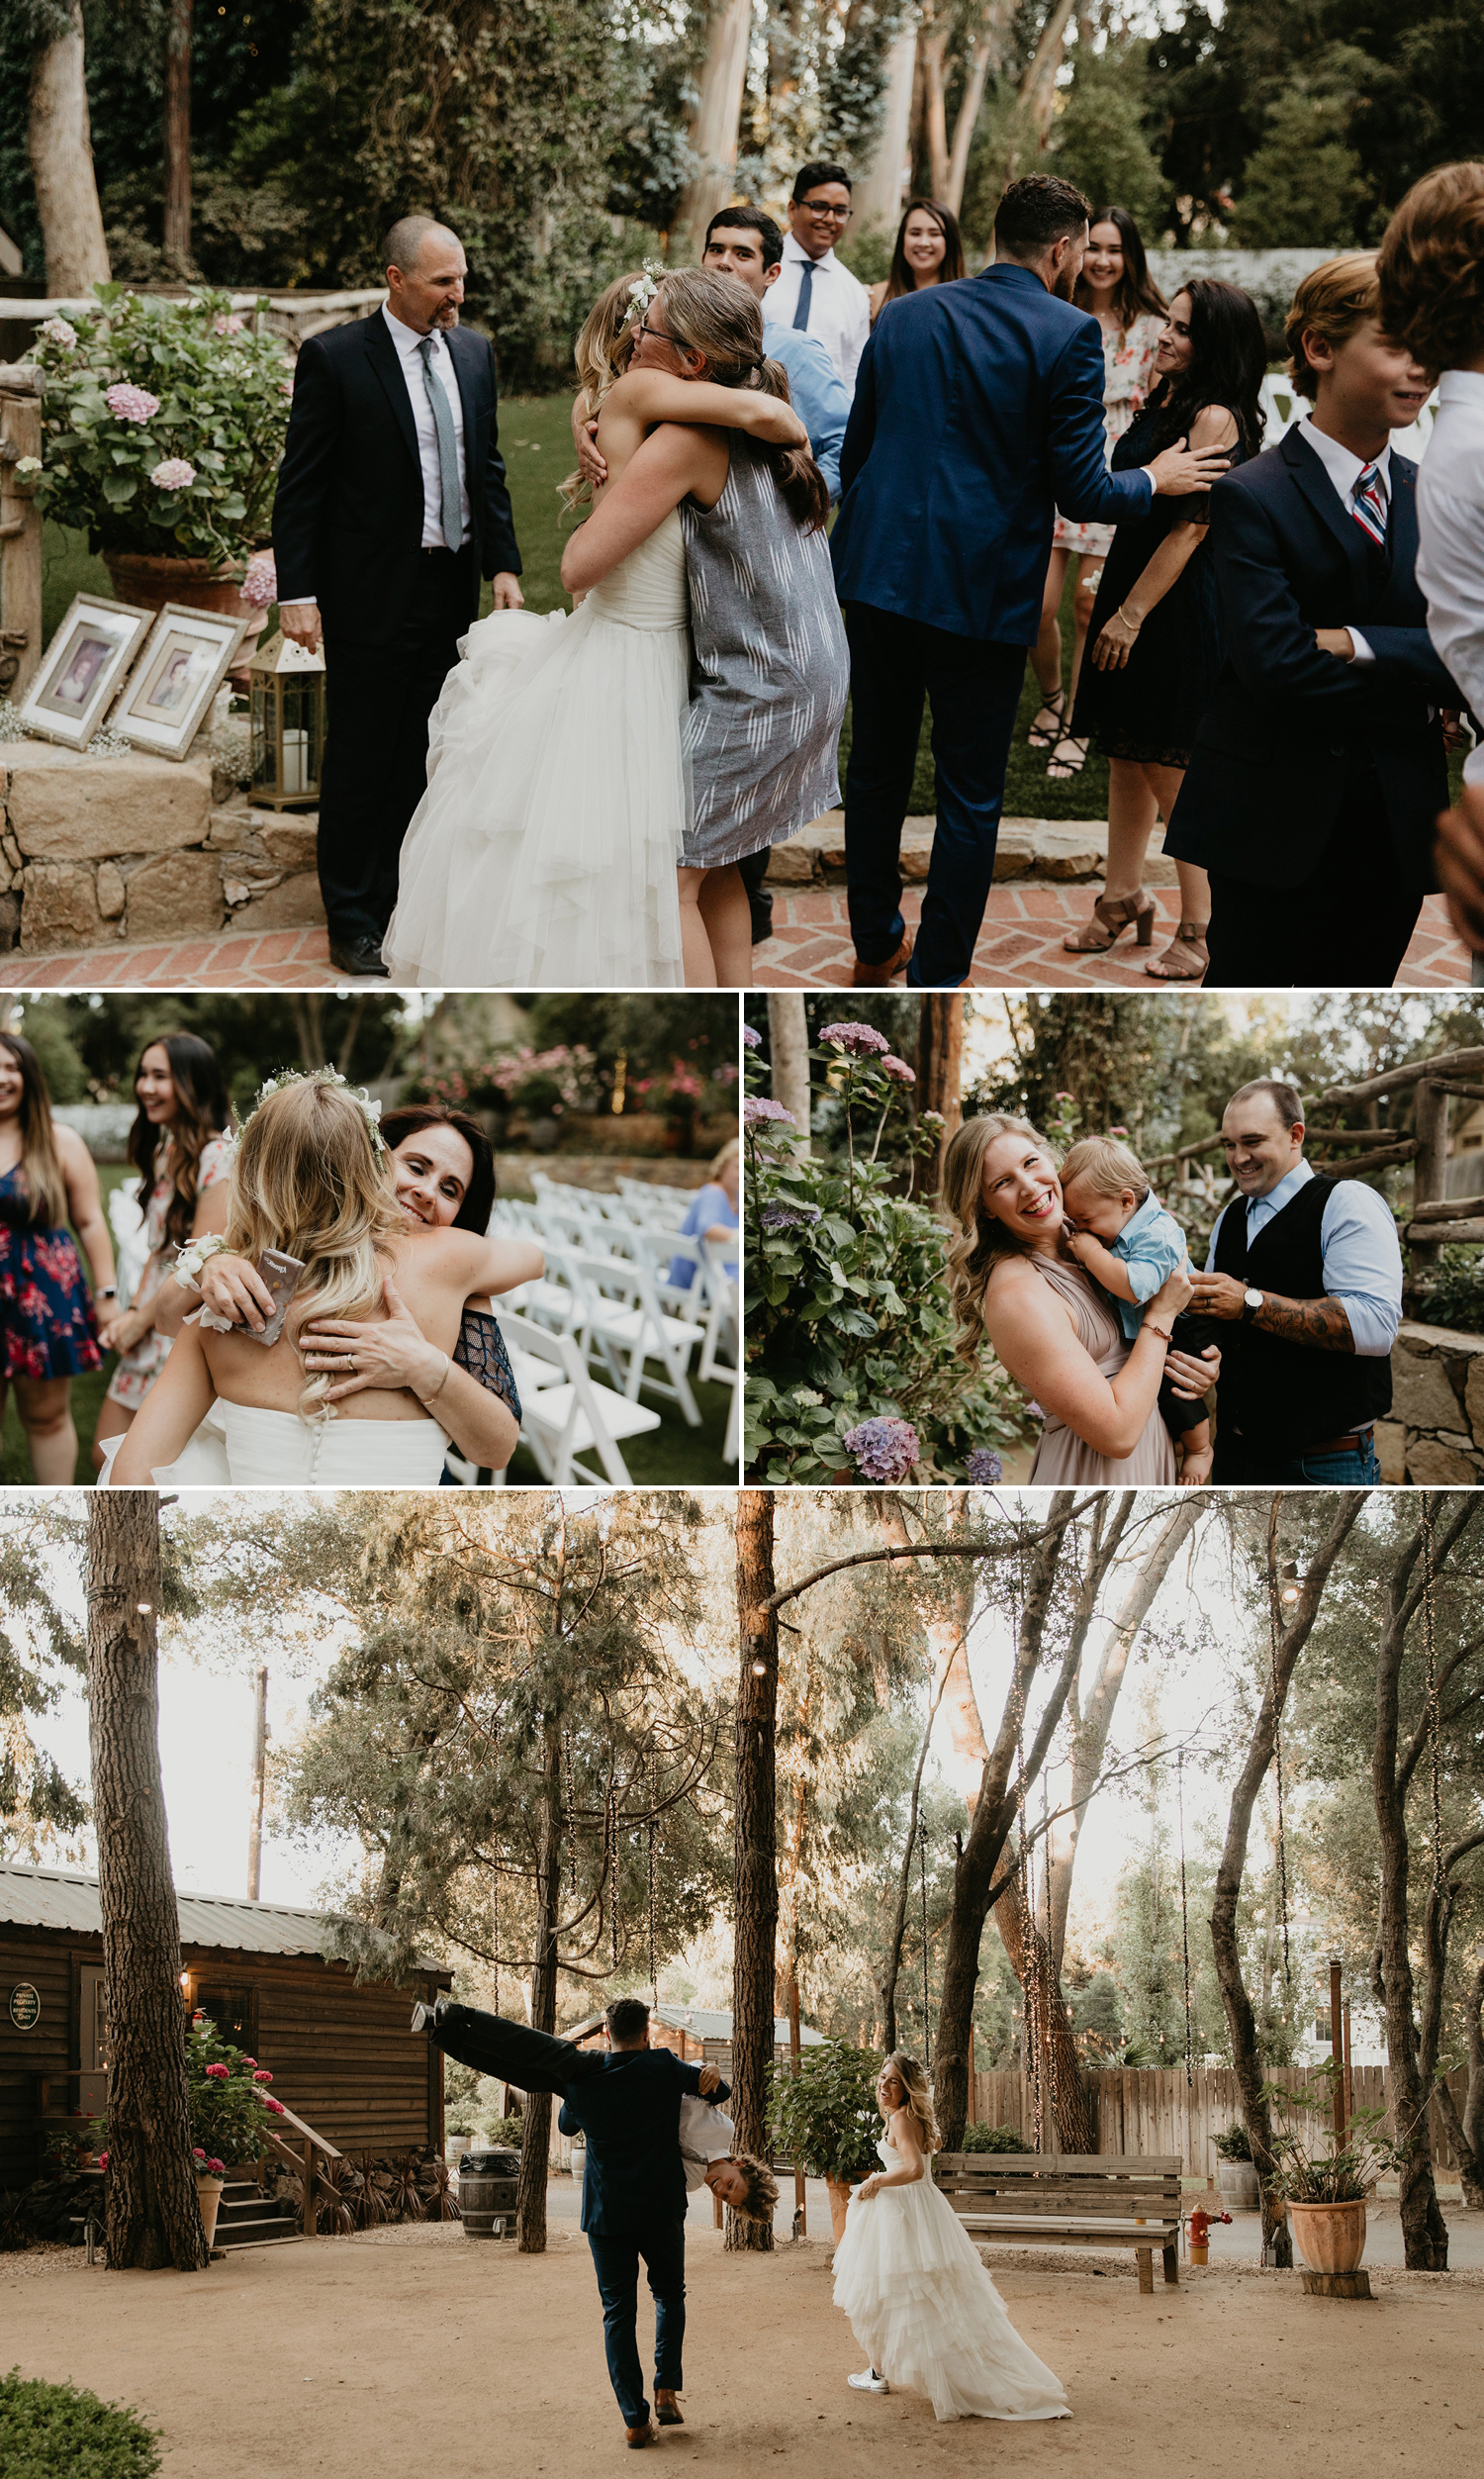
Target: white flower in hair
point(642, 291)
point(369, 1109)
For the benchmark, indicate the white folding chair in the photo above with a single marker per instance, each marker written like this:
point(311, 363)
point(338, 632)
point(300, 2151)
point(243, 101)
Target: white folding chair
point(571, 1416)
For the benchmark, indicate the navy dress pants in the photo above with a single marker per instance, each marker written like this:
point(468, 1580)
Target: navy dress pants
point(974, 690)
point(616, 2263)
point(1345, 926)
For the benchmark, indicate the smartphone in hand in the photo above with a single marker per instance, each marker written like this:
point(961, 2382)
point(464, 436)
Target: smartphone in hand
point(280, 1275)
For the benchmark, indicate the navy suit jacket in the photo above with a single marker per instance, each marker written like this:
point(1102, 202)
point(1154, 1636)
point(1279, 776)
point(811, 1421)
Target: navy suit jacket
point(1267, 771)
point(347, 513)
point(979, 412)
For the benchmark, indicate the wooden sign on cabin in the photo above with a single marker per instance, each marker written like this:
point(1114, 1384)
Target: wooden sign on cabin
point(25, 2006)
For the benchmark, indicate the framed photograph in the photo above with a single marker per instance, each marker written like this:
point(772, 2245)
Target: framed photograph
point(82, 668)
point(175, 678)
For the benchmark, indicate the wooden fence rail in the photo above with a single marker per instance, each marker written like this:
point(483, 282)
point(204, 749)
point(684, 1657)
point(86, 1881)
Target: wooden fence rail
point(1151, 2110)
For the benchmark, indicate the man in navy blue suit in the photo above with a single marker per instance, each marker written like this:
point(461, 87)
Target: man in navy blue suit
point(626, 2101)
point(1313, 790)
point(978, 412)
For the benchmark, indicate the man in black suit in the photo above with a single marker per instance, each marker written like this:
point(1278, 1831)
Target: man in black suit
point(391, 505)
point(1319, 768)
point(626, 2101)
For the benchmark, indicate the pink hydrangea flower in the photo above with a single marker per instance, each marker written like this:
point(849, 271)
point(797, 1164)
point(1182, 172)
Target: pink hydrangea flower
point(216, 2168)
point(173, 475)
point(250, 2062)
point(227, 324)
point(131, 403)
point(259, 586)
point(218, 2073)
point(198, 2151)
point(754, 1109)
point(103, 2160)
point(275, 2105)
point(262, 2076)
point(860, 1041)
point(898, 1070)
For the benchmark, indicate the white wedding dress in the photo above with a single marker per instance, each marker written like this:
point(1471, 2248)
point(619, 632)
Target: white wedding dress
point(543, 854)
point(908, 2275)
point(242, 1446)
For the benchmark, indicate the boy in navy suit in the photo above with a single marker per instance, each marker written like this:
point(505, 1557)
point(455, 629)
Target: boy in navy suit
point(1319, 769)
point(626, 2101)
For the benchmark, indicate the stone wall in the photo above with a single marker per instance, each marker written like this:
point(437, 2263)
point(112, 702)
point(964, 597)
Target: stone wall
point(102, 850)
point(1437, 1397)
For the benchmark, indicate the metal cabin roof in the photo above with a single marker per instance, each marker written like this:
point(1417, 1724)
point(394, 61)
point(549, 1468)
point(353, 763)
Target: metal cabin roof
point(48, 1897)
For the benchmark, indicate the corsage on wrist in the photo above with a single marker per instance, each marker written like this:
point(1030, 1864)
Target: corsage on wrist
point(188, 1265)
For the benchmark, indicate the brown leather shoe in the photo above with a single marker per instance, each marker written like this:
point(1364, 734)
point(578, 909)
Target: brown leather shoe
point(634, 2437)
point(667, 2409)
point(876, 976)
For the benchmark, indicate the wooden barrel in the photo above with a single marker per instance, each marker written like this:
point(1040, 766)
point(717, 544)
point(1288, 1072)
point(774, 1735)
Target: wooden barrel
point(487, 2193)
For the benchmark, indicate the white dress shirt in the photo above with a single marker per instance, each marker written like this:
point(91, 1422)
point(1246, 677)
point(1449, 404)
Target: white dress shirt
point(1345, 469)
point(1359, 1248)
point(839, 307)
point(408, 343)
point(1451, 522)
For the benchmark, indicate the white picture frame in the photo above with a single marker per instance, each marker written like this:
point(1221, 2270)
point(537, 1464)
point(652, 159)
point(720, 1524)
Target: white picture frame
point(82, 669)
point(170, 688)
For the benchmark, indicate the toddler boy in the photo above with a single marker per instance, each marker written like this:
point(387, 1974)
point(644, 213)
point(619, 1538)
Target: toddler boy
point(1123, 1237)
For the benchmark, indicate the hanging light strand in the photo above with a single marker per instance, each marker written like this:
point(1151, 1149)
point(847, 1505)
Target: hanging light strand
point(1184, 1914)
point(1277, 1762)
point(1435, 1714)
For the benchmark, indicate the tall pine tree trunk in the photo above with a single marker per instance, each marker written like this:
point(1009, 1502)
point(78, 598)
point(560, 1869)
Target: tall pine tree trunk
point(536, 2140)
point(152, 2215)
point(59, 143)
point(756, 1846)
point(176, 133)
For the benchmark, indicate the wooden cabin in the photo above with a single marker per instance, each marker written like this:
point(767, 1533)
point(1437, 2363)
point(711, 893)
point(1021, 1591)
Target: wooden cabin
point(343, 2057)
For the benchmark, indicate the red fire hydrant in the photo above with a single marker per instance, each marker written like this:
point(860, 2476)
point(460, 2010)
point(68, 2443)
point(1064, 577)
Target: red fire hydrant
point(1199, 2228)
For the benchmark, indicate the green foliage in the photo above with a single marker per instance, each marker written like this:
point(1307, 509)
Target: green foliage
point(1233, 2142)
point(231, 2113)
point(1101, 138)
point(1304, 184)
point(1000, 2138)
point(38, 1647)
point(826, 2115)
point(1348, 2172)
point(1456, 1296)
point(223, 409)
point(59, 2431)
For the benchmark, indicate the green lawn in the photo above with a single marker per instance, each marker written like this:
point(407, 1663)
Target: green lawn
point(689, 1457)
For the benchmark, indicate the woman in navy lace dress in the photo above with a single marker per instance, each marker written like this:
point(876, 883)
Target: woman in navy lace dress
point(49, 1332)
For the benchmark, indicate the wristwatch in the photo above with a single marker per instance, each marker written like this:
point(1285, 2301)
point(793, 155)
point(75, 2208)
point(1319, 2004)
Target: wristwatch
point(109, 1291)
point(1251, 1301)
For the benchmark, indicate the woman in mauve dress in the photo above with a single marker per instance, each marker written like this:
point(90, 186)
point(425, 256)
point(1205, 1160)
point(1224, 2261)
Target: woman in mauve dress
point(1048, 1321)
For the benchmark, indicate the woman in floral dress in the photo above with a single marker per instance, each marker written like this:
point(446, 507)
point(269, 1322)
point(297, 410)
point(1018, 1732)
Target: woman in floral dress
point(48, 1333)
point(181, 1147)
point(1116, 286)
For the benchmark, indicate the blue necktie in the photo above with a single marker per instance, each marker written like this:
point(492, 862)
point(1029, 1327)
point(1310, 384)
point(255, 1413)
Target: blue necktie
point(448, 454)
point(806, 287)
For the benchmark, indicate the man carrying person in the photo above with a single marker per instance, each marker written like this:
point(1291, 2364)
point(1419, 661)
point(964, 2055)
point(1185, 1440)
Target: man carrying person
point(1306, 1271)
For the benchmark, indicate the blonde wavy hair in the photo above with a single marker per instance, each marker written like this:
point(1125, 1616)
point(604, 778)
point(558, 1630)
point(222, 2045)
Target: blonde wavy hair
point(919, 2096)
point(979, 1239)
point(308, 1179)
point(601, 354)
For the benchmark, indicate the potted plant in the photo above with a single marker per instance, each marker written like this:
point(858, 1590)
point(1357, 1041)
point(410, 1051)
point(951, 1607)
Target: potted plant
point(230, 2100)
point(826, 2116)
point(1325, 2193)
point(1237, 2174)
point(163, 424)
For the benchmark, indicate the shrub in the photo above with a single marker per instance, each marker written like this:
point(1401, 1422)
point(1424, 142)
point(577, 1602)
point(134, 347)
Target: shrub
point(1457, 1296)
point(826, 2115)
point(980, 2137)
point(1233, 2142)
point(56, 2432)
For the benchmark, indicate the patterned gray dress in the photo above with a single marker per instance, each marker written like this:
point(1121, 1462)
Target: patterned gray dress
point(770, 670)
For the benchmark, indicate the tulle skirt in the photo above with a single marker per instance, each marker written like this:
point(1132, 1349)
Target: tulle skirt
point(908, 2276)
point(543, 854)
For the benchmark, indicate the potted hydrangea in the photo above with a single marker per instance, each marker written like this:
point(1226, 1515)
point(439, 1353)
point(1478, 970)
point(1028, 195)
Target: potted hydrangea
point(163, 424)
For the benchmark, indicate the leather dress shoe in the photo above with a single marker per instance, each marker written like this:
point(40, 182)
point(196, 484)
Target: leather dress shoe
point(667, 2409)
point(876, 976)
point(634, 2437)
point(359, 956)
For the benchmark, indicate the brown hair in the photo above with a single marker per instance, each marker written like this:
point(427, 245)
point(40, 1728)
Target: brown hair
point(718, 317)
point(202, 1111)
point(1430, 267)
point(901, 278)
point(979, 1238)
point(919, 2096)
point(1138, 293)
point(1332, 301)
point(1286, 1099)
point(1107, 1167)
point(479, 1198)
point(760, 2200)
point(42, 1175)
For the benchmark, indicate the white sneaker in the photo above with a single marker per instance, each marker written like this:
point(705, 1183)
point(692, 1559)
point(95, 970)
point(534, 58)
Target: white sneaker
point(868, 2381)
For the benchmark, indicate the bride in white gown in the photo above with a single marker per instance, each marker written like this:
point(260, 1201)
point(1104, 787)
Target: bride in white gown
point(544, 852)
point(310, 1178)
point(908, 2275)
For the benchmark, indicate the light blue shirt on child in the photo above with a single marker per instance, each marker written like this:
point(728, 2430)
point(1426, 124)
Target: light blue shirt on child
point(1150, 1245)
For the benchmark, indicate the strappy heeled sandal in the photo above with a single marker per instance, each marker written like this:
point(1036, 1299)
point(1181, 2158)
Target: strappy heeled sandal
point(1060, 769)
point(1189, 940)
point(1114, 913)
point(1037, 738)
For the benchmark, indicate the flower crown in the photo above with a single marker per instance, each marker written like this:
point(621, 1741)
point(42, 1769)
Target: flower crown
point(370, 1110)
point(642, 291)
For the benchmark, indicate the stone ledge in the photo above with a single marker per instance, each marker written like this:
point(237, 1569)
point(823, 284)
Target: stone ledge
point(1041, 851)
point(63, 806)
point(1438, 1395)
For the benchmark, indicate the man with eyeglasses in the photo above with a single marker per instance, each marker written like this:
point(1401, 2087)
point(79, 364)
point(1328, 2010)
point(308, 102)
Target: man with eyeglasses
point(815, 291)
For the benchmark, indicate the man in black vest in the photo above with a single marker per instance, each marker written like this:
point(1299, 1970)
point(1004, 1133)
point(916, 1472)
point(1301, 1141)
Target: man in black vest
point(1308, 1271)
point(390, 505)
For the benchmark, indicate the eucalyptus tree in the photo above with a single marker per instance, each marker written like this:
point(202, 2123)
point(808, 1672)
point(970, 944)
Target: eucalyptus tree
point(42, 1651)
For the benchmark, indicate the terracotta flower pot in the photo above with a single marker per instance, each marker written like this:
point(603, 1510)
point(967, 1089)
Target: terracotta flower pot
point(150, 579)
point(209, 2197)
point(1331, 2238)
point(839, 2195)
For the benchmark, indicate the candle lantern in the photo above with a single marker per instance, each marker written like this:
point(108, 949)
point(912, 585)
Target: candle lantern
point(286, 692)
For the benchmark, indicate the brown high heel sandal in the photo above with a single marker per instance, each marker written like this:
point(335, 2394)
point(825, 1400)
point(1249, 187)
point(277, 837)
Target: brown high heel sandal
point(1114, 913)
point(1189, 939)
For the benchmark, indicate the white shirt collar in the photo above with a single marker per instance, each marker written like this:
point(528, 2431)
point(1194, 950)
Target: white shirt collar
point(407, 340)
point(795, 250)
point(1341, 466)
point(1462, 387)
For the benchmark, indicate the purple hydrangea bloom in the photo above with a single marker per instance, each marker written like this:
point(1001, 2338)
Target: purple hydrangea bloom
point(130, 404)
point(985, 1468)
point(788, 1218)
point(884, 1450)
point(754, 1110)
point(861, 1041)
point(898, 1070)
point(753, 1040)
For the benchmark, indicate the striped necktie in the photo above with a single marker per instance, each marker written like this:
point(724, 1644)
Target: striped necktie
point(1368, 505)
point(806, 288)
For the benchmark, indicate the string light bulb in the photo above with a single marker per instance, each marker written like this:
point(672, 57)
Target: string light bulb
point(144, 1609)
point(760, 1669)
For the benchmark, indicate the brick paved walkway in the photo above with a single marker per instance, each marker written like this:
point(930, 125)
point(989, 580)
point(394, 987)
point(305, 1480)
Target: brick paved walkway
point(1020, 945)
point(276, 959)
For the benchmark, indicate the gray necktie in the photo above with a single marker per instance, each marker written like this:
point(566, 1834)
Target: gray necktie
point(806, 287)
point(448, 454)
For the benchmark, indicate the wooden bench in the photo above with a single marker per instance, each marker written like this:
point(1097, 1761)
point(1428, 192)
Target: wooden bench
point(1070, 2199)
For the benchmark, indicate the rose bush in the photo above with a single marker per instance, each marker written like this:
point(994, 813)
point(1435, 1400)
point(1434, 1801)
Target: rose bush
point(162, 425)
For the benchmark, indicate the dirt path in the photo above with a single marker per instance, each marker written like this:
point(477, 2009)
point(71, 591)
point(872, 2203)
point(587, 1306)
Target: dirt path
point(418, 2350)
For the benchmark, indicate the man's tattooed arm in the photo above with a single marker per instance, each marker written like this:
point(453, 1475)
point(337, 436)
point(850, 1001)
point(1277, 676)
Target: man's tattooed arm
point(1322, 1324)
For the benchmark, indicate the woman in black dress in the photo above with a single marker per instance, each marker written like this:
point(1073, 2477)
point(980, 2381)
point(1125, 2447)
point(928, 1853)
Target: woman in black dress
point(1155, 634)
